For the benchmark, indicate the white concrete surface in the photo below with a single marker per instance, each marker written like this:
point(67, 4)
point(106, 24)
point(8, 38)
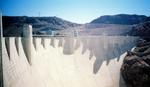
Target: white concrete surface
point(66, 62)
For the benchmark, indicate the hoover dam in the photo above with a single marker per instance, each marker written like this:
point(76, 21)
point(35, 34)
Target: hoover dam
point(87, 61)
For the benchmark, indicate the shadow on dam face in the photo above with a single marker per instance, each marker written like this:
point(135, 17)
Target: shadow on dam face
point(102, 48)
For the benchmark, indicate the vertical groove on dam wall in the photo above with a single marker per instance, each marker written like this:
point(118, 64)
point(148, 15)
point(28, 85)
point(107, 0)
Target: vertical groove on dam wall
point(65, 61)
point(17, 39)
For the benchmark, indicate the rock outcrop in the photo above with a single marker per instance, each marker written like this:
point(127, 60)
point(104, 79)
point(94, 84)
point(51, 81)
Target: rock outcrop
point(136, 66)
point(142, 30)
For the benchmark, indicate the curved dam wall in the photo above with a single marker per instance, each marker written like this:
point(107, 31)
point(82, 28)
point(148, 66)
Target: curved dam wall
point(64, 61)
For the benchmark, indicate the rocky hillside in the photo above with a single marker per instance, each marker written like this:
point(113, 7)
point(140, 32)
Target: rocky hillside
point(121, 19)
point(13, 24)
point(142, 30)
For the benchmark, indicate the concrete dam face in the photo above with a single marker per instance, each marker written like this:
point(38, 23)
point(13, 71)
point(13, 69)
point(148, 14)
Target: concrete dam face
point(64, 61)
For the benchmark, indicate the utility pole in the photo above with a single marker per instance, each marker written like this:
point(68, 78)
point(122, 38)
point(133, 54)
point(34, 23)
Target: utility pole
point(1, 51)
point(1, 24)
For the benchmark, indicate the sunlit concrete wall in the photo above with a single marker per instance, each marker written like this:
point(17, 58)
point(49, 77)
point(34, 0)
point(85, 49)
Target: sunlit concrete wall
point(65, 61)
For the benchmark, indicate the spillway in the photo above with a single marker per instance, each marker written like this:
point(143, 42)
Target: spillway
point(92, 61)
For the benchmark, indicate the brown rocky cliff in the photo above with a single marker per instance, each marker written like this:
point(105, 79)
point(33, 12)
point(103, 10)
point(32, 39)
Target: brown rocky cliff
point(136, 66)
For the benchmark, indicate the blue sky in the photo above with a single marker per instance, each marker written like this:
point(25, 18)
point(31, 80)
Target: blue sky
point(79, 11)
